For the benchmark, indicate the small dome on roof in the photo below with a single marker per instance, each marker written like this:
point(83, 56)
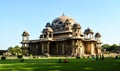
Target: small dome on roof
point(47, 29)
point(88, 31)
point(25, 33)
point(76, 26)
point(97, 35)
point(48, 24)
point(41, 36)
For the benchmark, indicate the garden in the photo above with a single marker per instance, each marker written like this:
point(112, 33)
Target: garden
point(51, 64)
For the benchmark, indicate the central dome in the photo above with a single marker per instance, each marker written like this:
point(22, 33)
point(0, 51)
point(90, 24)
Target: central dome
point(62, 19)
point(63, 22)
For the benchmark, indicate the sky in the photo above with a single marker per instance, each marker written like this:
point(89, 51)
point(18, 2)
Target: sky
point(16, 16)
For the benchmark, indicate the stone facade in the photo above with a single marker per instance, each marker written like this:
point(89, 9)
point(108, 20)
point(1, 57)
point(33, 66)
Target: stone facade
point(63, 37)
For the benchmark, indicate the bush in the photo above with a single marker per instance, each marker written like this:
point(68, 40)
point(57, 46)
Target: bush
point(116, 57)
point(47, 55)
point(20, 56)
point(34, 56)
point(21, 60)
point(3, 58)
point(31, 56)
point(77, 57)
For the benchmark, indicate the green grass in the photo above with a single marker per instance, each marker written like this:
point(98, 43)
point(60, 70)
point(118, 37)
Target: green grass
point(109, 64)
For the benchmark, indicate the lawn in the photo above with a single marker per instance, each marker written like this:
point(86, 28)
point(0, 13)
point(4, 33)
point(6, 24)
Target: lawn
point(50, 64)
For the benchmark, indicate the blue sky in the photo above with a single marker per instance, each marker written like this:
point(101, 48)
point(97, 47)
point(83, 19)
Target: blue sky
point(31, 15)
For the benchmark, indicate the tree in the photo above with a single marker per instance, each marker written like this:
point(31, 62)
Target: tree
point(15, 50)
point(109, 47)
point(113, 47)
point(106, 46)
point(10, 49)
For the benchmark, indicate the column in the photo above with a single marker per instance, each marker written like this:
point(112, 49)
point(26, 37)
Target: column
point(92, 49)
point(76, 50)
point(51, 35)
point(47, 35)
point(27, 37)
point(99, 40)
point(23, 45)
point(48, 47)
point(23, 38)
point(42, 49)
point(86, 36)
point(43, 35)
point(62, 48)
point(80, 51)
point(83, 50)
point(36, 49)
point(57, 48)
point(73, 46)
point(90, 36)
point(72, 51)
point(99, 48)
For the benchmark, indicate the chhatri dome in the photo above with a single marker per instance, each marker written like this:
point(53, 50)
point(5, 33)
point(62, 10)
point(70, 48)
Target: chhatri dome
point(25, 33)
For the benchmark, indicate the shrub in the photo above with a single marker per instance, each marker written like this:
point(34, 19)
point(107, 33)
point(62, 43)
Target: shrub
point(77, 57)
point(47, 55)
point(20, 56)
point(3, 58)
point(31, 56)
point(21, 60)
point(34, 56)
point(116, 57)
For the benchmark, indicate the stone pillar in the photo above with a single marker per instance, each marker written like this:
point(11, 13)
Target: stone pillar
point(62, 48)
point(86, 36)
point(51, 35)
point(99, 40)
point(80, 51)
point(43, 36)
point(23, 48)
point(91, 36)
point(23, 45)
point(47, 35)
point(76, 50)
point(83, 51)
point(99, 48)
point(48, 47)
point(42, 49)
point(36, 49)
point(23, 38)
point(57, 48)
point(73, 46)
point(73, 53)
point(92, 49)
point(27, 37)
